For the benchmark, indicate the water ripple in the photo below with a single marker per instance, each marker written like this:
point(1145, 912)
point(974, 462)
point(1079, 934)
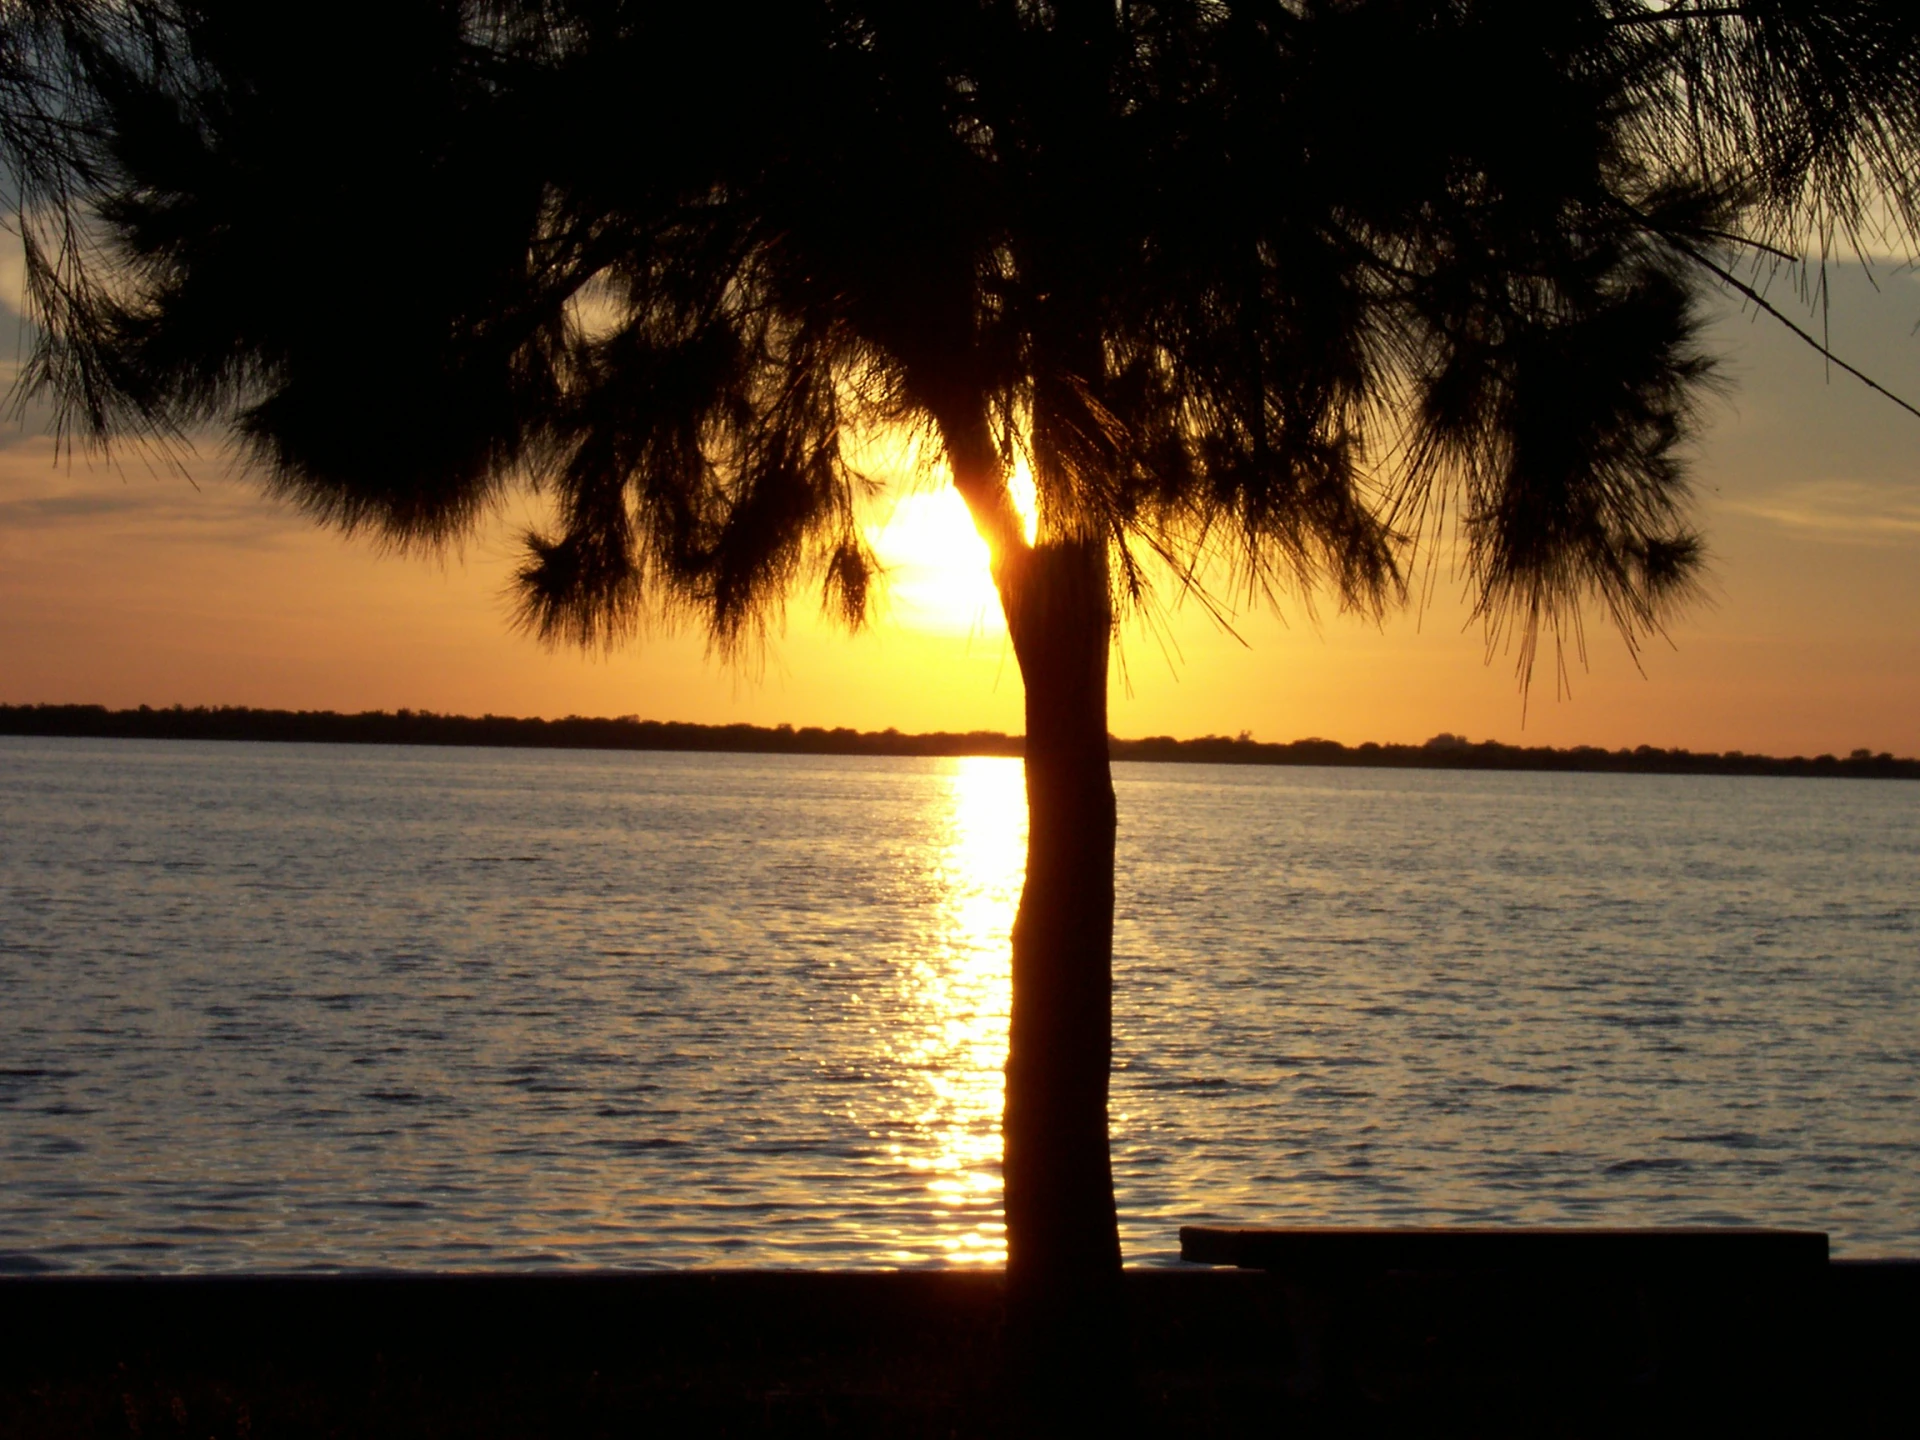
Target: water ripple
point(285, 1007)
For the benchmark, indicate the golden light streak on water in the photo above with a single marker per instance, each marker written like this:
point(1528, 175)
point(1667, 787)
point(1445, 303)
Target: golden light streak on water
point(954, 1035)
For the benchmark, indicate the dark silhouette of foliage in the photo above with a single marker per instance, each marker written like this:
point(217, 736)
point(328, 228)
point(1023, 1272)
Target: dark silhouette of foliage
point(1275, 284)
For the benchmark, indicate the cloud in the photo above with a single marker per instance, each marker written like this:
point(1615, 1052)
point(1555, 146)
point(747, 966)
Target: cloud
point(36, 511)
point(1841, 510)
point(13, 269)
point(46, 493)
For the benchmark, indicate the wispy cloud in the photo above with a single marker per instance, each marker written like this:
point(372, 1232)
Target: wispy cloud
point(33, 512)
point(13, 270)
point(1841, 510)
point(43, 492)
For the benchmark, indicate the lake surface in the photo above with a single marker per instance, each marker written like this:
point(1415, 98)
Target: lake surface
point(277, 1007)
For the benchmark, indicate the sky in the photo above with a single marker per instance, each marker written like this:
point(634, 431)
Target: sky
point(123, 583)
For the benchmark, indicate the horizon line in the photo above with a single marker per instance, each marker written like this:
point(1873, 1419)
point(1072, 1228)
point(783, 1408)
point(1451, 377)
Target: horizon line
point(407, 726)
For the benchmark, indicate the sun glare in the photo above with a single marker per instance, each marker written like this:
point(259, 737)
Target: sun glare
point(939, 576)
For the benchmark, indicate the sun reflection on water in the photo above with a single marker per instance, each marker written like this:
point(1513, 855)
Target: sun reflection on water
point(951, 1035)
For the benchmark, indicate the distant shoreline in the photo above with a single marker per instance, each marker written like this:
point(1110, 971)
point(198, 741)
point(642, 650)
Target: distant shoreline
point(419, 727)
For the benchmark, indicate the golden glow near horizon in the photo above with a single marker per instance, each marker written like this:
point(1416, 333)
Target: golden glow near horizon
point(952, 1033)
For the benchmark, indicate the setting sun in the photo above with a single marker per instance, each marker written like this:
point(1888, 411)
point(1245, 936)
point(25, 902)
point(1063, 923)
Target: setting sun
point(937, 565)
point(939, 575)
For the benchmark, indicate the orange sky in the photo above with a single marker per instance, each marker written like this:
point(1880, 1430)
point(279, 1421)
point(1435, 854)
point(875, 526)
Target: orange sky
point(123, 586)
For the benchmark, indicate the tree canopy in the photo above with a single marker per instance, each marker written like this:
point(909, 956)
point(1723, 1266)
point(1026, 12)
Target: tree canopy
point(1285, 286)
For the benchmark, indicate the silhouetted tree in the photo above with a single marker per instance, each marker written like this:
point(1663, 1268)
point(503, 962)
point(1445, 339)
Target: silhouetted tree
point(1282, 287)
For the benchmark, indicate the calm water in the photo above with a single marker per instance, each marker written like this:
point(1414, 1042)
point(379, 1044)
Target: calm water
point(281, 1007)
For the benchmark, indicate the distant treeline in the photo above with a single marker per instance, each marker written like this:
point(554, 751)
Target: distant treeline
point(577, 732)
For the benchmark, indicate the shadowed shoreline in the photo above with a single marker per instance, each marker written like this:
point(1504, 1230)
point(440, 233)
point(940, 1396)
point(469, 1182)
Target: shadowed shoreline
point(1207, 1352)
point(576, 732)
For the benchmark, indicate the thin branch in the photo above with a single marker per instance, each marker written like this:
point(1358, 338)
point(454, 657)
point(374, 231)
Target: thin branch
point(1189, 583)
point(1734, 238)
point(1767, 305)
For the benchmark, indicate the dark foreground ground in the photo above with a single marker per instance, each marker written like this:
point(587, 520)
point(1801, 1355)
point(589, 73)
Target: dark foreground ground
point(920, 1354)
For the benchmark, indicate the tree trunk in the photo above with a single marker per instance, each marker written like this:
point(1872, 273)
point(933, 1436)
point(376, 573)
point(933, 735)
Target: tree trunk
point(1063, 1246)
